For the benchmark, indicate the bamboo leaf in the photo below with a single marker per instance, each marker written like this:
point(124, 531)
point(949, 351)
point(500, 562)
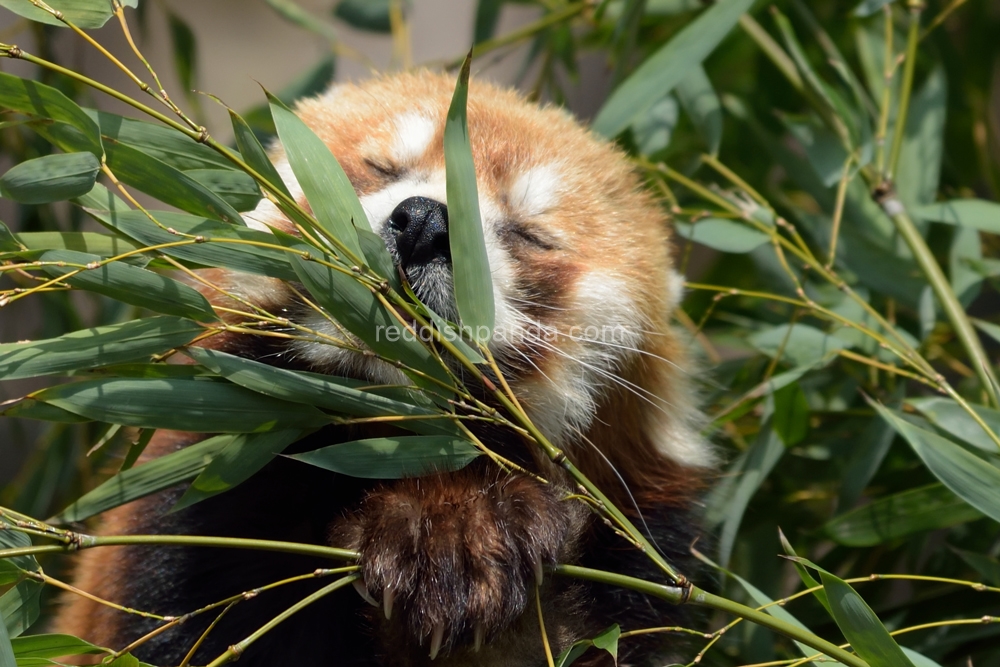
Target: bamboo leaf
point(91, 348)
point(50, 178)
point(722, 234)
point(668, 66)
point(145, 479)
point(869, 7)
point(802, 346)
point(19, 606)
point(102, 245)
point(952, 418)
point(702, 105)
point(987, 566)
point(973, 213)
point(222, 245)
point(653, 130)
point(12, 539)
point(900, 514)
point(393, 458)
point(254, 154)
point(161, 181)
point(370, 15)
point(860, 625)
point(6, 650)
point(919, 169)
point(971, 478)
point(82, 13)
point(355, 307)
point(37, 647)
point(322, 391)
point(470, 263)
point(791, 414)
point(166, 144)
point(606, 640)
point(237, 462)
point(236, 188)
point(41, 101)
point(129, 284)
point(326, 187)
point(29, 408)
point(8, 242)
point(180, 404)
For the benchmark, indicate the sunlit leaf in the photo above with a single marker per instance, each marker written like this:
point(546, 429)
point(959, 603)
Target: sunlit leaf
point(668, 66)
point(102, 245)
point(52, 646)
point(652, 131)
point(238, 189)
point(971, 478)
point(166, 144)
point(329, 192)
point(99, 346)
point(952, 418)
point(470, 263)
point(803, 345)
point(81, 13)
point(254, 154)
point(860, 625)
point(393, 458)
point(50, 178)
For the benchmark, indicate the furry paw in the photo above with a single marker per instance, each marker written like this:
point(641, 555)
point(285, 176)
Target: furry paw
point(452, 559)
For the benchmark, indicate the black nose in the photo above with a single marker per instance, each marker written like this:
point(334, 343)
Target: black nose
point(420, 227)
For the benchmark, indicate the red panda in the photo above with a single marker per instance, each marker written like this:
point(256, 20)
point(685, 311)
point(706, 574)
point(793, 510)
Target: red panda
point(584, 287)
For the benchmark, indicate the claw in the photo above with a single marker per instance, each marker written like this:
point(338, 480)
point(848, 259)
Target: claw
point(477, 638)
point(388, 597)
point(359, 586)
point(539, 571)
point(436, 637)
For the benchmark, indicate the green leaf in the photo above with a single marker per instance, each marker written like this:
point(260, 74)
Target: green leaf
point(52, 646)
point(702, 105)
point(324, 391)
point(181, 405)
point(225, 246)
point(606, 640)
point(370, 15)
point(237, 462)
point(185, 52)
point(156, 475)
point(919, 169)
point(803, 346)
point(355, 307)
point(860, 625)
point(653, 130)
point(668, 66)
point(50, 178)
point(13, 539)
point(237, 188)
point(869, 450)
point(952, 418)
point(6, 650)
point(393, 458)
point(327, 189)
point(987, 566)
point(129, 284)
point(310, 83)
point(761, 458)
point(41, 101)
point(85, 14)
point(822, 147)
point(125, 660)
point(29, 408)
point(470, 263)
point(166, 144)
point(161, 181)
point(973, 213)
point(791, 414)
point(99, 346)
point(487, 16)
point(803, 571)
point(722, 234)
point(19, 606)
point(900, 514)
point(254, 154)
point(971, 478)
point(8, 242)
point(102, 245)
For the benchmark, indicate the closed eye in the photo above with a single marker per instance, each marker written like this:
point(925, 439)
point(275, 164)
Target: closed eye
point(386, 170)
point(517, 232)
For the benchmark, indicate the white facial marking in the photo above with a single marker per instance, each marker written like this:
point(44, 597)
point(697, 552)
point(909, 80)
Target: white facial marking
point(413, 135)
point(536, 190)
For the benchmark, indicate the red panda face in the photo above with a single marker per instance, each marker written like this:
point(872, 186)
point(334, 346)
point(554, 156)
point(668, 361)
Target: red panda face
point(579, 254)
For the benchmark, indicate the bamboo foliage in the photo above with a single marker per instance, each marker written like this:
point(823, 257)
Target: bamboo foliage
point(854, 395)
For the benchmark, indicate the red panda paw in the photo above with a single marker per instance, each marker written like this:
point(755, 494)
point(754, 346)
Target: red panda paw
point(452, 559)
